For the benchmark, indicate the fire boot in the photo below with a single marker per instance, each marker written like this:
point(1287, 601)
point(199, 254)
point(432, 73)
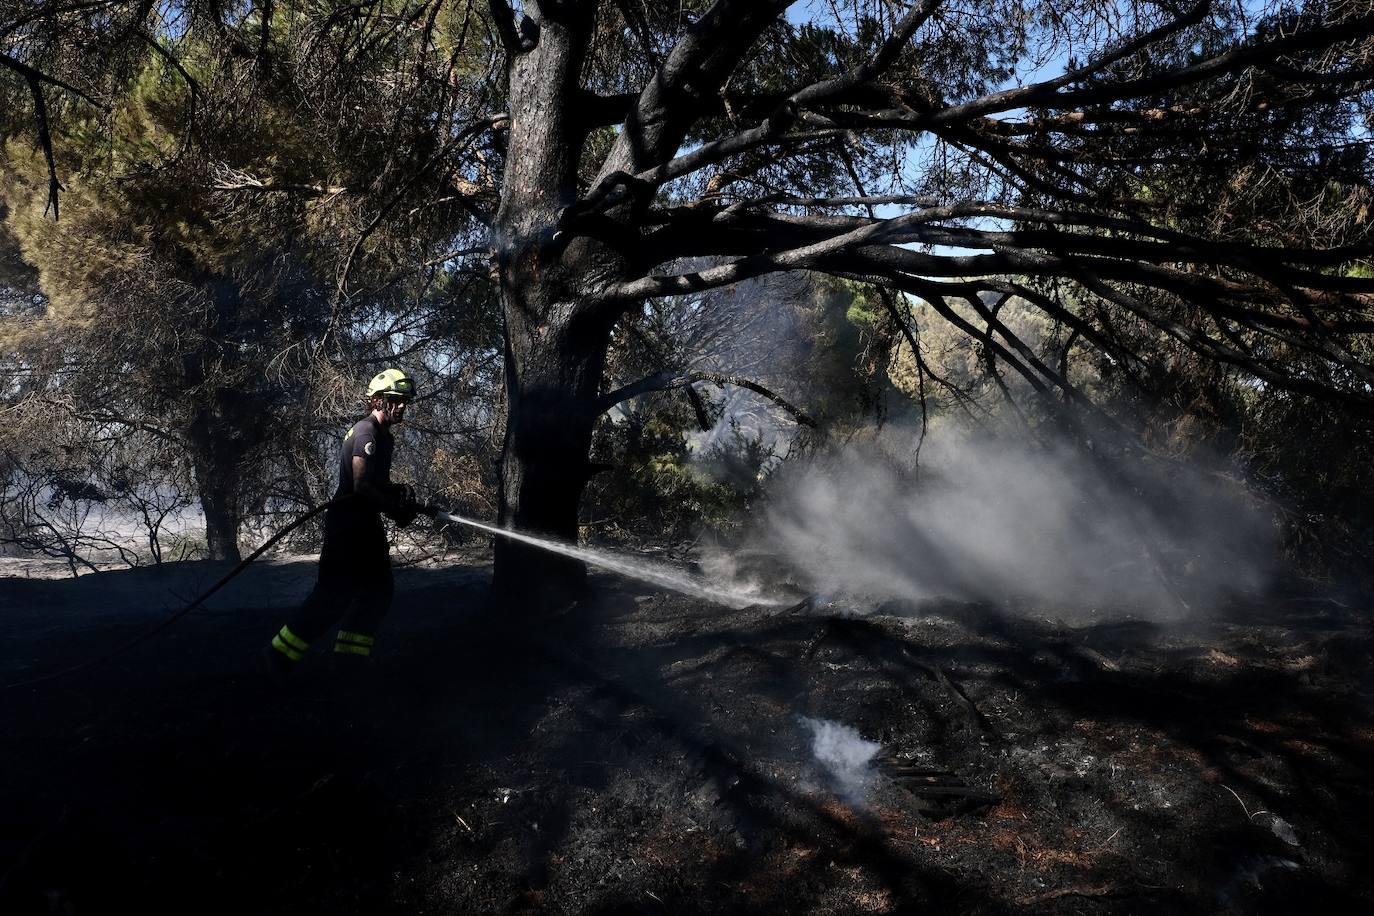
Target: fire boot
point(276, 668)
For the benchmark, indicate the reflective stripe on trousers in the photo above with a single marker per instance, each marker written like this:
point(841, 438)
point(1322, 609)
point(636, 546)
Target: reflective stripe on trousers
point(351, 643)
point(289, 644)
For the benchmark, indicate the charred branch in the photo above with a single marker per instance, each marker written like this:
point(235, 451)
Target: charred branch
point(54, 11)
point(1048, 94)
point(775, 127)
point(512, 38)
point(883, 265)
point(620, 187)
point(1126, 239)
point(665, 381)
point(688, 82)
point(40, 113)
point(862, 76)
point(693, 396)
point(35, 80)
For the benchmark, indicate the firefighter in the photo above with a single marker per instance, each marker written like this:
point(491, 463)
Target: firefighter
point(354, 585)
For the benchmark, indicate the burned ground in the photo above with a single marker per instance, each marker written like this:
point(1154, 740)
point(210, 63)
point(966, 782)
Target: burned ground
point(647, 753)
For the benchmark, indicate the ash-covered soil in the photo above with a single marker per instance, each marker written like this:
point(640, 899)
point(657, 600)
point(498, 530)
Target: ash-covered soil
point(646, 753)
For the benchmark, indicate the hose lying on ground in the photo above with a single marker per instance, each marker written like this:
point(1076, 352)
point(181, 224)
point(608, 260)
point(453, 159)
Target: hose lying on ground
point(149, 634)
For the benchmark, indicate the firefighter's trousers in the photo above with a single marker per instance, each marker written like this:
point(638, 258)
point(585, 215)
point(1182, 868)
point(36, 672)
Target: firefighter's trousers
point(354, 587)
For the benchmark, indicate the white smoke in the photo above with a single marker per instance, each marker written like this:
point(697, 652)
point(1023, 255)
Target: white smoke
point(999, 521)
point(845, 755)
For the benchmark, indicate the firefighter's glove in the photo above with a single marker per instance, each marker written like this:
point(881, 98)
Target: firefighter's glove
point(405, 514)
point(401, 506)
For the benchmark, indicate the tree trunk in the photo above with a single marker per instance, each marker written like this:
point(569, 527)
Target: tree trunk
point(216, 463)
point(556, 339)
point(221, 522)
point(553, 373)
point(556, 275)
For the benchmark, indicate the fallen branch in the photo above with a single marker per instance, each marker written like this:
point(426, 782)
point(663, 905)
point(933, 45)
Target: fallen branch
point(1076, 890)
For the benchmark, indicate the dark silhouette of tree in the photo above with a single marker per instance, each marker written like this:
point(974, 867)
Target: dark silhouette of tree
point(190, 298)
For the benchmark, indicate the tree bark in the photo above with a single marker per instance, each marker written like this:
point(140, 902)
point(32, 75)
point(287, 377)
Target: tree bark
point(215, 459)
point(556, 339)
point(553, 370)
point(221, 522)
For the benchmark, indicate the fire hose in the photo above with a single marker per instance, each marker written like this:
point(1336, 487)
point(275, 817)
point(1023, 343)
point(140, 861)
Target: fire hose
point(199, 600)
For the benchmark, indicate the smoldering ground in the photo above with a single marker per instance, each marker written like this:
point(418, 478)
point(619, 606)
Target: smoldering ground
point(1001, 520)
point(845, 757)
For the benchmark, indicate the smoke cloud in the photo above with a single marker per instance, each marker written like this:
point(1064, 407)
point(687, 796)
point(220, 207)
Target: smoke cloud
point(997, 520)
point(845, 756)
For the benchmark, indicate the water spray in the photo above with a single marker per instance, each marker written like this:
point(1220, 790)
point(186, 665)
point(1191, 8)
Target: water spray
point(659, 574)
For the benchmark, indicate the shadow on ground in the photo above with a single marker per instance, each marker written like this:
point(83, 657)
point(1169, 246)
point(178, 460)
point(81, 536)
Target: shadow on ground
point(645, 753)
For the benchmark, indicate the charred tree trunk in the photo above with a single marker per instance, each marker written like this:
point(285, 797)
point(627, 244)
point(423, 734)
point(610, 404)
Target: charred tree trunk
point(556, 338)
point(556, 291)
point(218, 485)
point(221, 522)
point(224, 432)
point(553, 371)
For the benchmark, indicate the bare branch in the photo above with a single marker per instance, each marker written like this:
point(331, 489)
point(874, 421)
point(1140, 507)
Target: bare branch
point(463, 137)
point(772, 129)
point(693, 73)
point(49, 12)
point(618, 187)
point(1046, 94)
point(37, 76)
point(191, 85)
point(503, 17)
point(1034, 94)
point(40, 112)
point(35, 79)
point(234, 180)
point(656, 353)
point(664, 381)
point(868, 200)
point(871, 69)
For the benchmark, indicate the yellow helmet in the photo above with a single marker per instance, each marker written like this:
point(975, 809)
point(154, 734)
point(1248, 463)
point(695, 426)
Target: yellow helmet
point(392, 382)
